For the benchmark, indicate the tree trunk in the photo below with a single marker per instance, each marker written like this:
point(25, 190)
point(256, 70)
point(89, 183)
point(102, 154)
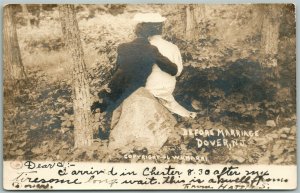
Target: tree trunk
point(41, 8)
point(190, 29)
point(270, 35)
point(13, 66)
point(83, 134)
point(26, 14)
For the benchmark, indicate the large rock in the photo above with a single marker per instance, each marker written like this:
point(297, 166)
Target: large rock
point(140, 122)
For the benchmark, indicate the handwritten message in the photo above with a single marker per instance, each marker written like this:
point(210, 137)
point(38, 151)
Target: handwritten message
point(28, 175)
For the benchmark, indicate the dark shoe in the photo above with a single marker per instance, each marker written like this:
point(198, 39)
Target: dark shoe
point(103, 134)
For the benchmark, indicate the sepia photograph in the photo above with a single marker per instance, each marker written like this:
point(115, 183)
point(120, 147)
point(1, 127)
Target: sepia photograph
point(170, 92)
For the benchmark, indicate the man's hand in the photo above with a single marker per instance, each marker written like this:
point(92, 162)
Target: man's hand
point(97, 105)
point(193, 115)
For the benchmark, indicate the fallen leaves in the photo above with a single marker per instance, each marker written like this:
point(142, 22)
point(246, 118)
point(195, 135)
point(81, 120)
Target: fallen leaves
point(239, 156)
point(19, 152)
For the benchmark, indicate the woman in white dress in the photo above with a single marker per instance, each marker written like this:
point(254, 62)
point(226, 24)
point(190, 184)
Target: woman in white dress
point(160, 83)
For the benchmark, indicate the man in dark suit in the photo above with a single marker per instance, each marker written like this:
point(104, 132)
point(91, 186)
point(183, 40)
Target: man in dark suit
point(134, 64)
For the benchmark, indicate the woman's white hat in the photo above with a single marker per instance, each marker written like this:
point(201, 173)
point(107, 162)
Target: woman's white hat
point(149, 17)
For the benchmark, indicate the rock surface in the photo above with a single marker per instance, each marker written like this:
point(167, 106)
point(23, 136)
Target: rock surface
point(140, 122)
point(271, 123)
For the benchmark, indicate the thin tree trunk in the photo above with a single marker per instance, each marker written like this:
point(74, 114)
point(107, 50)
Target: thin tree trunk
point(26, 14)
point(270, 35)
point(83, 134)
point(190, 29)
point(13, 66)
point(41, 8)
point(191, 23)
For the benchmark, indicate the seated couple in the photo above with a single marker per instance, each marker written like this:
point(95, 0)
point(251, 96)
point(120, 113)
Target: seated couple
point(139, 97)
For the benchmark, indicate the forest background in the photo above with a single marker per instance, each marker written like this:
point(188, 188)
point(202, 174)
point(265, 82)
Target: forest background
point(228, 51)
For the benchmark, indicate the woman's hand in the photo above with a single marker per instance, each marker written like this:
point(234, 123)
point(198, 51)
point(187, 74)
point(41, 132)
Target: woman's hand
point(193, 115)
